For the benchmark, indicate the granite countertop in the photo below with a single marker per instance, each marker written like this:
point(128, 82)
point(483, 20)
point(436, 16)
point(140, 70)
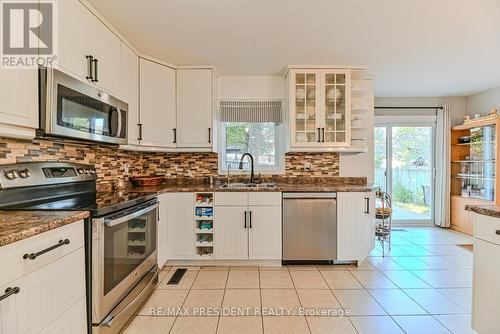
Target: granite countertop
point(19, 225)
point(486, 210)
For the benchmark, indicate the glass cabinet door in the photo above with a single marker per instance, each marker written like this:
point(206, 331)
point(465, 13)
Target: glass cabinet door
point(336, 116)
point(305, 106)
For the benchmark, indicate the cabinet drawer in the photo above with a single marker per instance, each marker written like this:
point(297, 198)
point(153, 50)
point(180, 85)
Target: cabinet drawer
point(231, 198)
point(487, 228)
point(71, 321)
point(11, 256)
point(264, 198)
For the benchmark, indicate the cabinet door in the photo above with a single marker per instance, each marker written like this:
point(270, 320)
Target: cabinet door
point(157, 104)
point(18, 103)
point(180, 225)
point(264, 233)
point(75, 25)
point(230, 234)
point(130, 91)
point(335, 109)
point(304, 107)
point(194, 108)
point(355, 225)
point(44, 295)
point(486, 287)
point(105, 48)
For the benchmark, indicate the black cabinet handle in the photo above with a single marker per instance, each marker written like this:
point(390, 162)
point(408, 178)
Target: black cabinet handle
point(90, 63)
point(9, 292)
point(140, 131)
point(33, 256)
point(209, 135)
point(497, 232)
point(323, 132)
point(319, 134)
point(96, 76)
point(250, 219)
point(175, 136)
point(245, 214)
point(367, 211)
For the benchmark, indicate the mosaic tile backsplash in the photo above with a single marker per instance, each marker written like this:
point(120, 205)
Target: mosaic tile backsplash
point(110, 161)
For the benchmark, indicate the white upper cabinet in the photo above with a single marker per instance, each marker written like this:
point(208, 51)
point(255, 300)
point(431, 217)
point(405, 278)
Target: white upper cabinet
point(320, 109)
point(18, 103)
point(81, 36)
point(194, 108)
point(157, 104)
point(130, 91)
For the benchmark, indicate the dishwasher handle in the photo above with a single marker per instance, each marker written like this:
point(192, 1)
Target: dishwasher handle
point(309, 195)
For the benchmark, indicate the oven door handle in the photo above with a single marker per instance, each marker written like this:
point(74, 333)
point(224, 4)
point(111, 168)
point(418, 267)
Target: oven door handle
point(121, 220)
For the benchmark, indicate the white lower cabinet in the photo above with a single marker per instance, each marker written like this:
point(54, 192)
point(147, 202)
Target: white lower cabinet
point(355, 225)
point(230, 233)
point(486, 275)
point(176, 209)
point(243, 231)
point(48, 297)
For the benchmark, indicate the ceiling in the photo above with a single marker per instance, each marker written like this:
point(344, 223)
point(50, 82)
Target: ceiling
point(414, 47)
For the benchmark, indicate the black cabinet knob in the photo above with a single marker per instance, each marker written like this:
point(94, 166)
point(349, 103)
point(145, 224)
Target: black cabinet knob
point(497, 232)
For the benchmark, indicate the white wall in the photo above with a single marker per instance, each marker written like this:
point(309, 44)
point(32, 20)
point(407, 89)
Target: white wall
point(458, 104)
point(251, 87)
point(481, 103)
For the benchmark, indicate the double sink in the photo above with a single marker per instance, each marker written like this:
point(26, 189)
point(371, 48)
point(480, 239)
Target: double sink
point(237, 185)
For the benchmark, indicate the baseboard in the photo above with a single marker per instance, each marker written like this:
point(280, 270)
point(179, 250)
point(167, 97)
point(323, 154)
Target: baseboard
point(240, 263)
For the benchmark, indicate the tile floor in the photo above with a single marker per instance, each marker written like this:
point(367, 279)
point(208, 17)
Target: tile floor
point(422, 286)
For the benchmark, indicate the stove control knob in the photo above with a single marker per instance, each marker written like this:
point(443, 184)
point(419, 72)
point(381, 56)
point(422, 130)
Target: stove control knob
point(92, 171)
point(24, 173)
point(87, 171)
point(11, 175)
point(80, 171)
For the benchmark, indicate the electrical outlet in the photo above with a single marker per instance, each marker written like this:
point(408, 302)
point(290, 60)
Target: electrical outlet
point(126, 168)
point(307, 166)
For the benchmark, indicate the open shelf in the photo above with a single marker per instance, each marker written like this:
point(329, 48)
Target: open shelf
point(204, 225)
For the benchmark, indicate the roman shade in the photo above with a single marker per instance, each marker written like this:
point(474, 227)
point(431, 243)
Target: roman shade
point(257, 111)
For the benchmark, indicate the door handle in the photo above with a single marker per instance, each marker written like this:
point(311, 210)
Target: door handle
point(33, 256)
point(175, 136)
point(96, 76)
point(9, 292)
point(209, 135)
point(323, 133)
point(319, 135)
point(250, 214)
point(140, 131)
point(245, 214)
point(90, 64)
point(367, 211)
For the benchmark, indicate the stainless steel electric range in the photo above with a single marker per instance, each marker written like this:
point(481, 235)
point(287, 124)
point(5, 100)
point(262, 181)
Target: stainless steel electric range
point(120, 235)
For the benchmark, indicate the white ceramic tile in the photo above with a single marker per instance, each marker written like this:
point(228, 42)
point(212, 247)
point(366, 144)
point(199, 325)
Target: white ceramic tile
point(329, 325)
point(308, 279)
point(243, 279)
point(275, 280)
point(195, 325)
point(446, 278)
point(384, 263)
point(341, 280)
point(285, 325)
point(246, 301)
point(376, 325)
point(461, 296)
point(240, 325)
point(420, 325)
point(163, 299)
point(373, 280)
point(358, 302)
point(405, 279)
point(434, 302)
point(150, 325)
point(210, 279)
point(457, 323)
point(286, 302)
point(396, 302)
point(314, 300)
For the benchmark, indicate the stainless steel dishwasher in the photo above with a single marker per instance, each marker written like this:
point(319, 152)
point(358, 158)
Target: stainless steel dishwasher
point(309, 228)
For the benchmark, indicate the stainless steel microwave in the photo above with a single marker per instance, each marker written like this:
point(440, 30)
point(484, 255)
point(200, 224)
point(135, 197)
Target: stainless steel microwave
point(71, 108)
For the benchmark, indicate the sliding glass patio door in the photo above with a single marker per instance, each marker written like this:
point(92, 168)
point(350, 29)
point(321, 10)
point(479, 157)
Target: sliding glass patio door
point(404, 167)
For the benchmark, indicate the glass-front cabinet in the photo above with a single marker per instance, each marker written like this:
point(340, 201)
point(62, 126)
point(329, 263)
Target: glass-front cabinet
point(320, 108)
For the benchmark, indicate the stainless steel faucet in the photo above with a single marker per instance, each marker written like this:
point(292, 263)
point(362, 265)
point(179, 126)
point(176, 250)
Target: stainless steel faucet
point(252, 176)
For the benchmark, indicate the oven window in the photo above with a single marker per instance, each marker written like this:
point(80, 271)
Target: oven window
point(83, 113)
point(126, 246)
